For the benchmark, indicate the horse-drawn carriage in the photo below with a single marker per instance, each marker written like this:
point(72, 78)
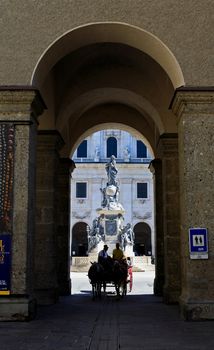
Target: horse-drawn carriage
point(113, 273)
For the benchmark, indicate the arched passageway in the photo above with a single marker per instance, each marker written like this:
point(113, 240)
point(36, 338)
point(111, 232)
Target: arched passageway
point(106, 82)
point(113, 64)
point(119, 76)
point(71, 79)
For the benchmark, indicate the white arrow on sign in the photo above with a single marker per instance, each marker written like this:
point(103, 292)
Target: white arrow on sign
point(198, 240)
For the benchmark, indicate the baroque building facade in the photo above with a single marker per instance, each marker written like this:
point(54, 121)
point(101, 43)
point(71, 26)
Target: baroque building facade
point(134, 179)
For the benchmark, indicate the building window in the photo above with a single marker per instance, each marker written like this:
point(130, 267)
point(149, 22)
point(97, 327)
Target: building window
point(111, 147)
point(81, 189)
point(141, 150)
point(142, 190)
point(82, 150)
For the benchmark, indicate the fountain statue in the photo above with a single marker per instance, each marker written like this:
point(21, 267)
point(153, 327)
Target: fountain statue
point(109, 227)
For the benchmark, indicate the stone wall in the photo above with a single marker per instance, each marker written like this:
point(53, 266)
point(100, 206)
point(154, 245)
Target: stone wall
point(46, 280)
point(194, 111)
point(20, 107)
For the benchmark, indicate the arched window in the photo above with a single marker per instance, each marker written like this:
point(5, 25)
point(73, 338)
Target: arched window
point(111, 147)
point(141, 150)
point(82, 150)
point(142, 241)
point(79, 239)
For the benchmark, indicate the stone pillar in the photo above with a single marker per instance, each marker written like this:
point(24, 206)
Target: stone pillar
point(156, 169)
point(194, 109)
point(46, 259)
point(65, 169)
point(19, 108)
point(168, 151)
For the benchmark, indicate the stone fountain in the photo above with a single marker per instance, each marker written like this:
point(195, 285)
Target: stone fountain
point(108, 227)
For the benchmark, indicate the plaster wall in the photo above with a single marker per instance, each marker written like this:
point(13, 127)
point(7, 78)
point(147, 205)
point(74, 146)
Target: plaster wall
point(27, 28)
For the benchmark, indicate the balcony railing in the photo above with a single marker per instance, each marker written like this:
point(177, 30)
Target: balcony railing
point(119, 160)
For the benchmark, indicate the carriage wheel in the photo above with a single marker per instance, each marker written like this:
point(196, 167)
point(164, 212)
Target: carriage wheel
point(123, 289)
point(104, 287)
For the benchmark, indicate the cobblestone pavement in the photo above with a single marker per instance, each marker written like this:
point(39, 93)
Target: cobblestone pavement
point(136, 322)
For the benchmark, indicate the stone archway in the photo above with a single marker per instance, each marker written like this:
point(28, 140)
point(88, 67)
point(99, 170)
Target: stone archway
point(115, 57)
point(86, 71)
point(114, 32)
point(110, 82)
point(122, 82)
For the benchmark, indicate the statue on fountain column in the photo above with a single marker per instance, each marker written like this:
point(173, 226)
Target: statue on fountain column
point(108, 226)
point(110, 193)
point(104, 202)
point(112, 171)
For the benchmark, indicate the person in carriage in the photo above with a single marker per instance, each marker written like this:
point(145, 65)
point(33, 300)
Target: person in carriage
point(119, 256)
point(105, 260)
point(103, 256)
point(118, 253)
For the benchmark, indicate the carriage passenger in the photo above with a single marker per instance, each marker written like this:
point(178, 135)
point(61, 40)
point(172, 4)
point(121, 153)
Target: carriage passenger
point(119, 256)
point(103, 258)
point(103, 253)
point(118, 253)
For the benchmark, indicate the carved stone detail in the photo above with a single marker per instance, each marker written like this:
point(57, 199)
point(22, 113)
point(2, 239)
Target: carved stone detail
point(81, 215)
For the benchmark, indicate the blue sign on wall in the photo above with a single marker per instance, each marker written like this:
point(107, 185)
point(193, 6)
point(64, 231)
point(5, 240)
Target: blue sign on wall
point(5, 264)
point(198, 242)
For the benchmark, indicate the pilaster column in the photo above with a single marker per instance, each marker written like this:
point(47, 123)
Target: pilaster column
point(195, 116)
point(19, 108)
point(66, 166)
point(168, 152)
point(156, 169)
point(46, 256)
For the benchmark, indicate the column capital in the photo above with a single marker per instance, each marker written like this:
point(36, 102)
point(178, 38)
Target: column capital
point(67, 165)
point(155, 165)
point(19, 104)
point(50, 139)
point(189, 100)
point(167, 145)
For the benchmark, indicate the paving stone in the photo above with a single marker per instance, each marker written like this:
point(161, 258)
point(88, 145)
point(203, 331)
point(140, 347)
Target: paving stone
point(136, 322)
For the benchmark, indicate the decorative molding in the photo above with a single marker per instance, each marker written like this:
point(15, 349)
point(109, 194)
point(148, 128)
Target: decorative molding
point(167, 146)
point(20, 104)
point(145, 216)
point(154, 165)
point(50, 139)
point(81, 215)
point(192, 101)
point(191, 89)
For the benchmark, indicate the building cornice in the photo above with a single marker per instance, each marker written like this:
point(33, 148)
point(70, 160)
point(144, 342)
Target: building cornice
point(189, 100)
point(19, 103)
